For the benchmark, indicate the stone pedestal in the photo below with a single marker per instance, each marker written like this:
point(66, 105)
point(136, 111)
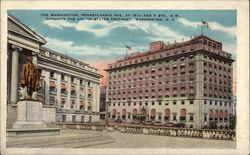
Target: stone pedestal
point(29, 115)
point(29, 121)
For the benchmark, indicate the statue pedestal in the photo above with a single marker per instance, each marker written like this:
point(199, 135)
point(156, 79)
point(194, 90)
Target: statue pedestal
point(29, 121)
point(29, 115)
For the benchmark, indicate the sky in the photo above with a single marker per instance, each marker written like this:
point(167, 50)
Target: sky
point(99, 42)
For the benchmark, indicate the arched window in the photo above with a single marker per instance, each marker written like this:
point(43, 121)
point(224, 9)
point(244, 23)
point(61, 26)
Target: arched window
point(211, 113)
point(124, 111)
point(221, 113)
point(226, 114)
point(153, 112)
point(167, 113)
point(217, 113)
point(183, 113)
point(135, 112)
point(114, 112)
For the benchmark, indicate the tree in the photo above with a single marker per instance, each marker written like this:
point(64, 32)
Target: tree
point(232, 122)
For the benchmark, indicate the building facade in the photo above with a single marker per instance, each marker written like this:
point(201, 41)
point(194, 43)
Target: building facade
point(70, 89)
point(188, 82)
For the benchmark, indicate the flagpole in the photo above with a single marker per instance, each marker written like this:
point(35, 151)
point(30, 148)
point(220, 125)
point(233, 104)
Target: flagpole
point(201, 29)
point(126, 52)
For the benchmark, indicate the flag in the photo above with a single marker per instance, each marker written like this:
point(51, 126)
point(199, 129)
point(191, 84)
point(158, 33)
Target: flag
point(128, 47)
point(205, 23)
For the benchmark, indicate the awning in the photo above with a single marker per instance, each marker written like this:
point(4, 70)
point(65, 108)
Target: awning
point(153, 112)
point(82, 103)
point(90, 104)
point(226, 114)
point(211, 113)
point(183, 113)
point(217, 113)
point(167, 112)
point(63, 86)
point(89, 91)
point(52, 84)
point(73, 88)
point(221, 113)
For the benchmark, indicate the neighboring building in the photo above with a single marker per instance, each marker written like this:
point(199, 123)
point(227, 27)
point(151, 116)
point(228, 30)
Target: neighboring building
point(70, 88)
point(188, 82)
point(103, 102)
point(71, 85)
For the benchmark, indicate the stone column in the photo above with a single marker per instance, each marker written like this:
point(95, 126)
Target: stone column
point(58, 89)
point(68, 100)
point(14, 74)
point(86, 95)
point(47, 86)
point(77, 94)
point(98, 98)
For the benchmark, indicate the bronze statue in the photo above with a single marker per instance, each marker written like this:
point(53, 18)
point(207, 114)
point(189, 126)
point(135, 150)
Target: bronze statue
point(30, 80)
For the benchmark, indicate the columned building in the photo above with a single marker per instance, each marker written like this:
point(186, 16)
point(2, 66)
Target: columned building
point(188, 82)
point(70, 89)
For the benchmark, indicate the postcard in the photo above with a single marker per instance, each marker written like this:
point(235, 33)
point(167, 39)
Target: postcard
point(124, 77)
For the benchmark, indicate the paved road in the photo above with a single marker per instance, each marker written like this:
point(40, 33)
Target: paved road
point(95, 139)
point(127, 140)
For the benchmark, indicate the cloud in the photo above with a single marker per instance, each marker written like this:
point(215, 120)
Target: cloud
point(70, 48)
point(101, 28)
point(212, 25)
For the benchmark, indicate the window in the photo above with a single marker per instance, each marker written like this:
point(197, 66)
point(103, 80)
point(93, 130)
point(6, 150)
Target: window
point(72, 79)
point(73, 118)
point(174, 102)
point(52, 74)
point(182, 102)
point(81, 81)
point(191, 118)
point(63, 118)
point(174, 116)
point(63, 77)
point(191, 102)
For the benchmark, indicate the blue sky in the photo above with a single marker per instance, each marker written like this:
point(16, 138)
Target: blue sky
point(101, 42)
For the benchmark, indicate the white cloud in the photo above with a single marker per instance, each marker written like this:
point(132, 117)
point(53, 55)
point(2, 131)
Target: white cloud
point(83, 50)
point(212, 25)
point(230, 48)
point(187, 23)
point(58, 23)
point(102, 28)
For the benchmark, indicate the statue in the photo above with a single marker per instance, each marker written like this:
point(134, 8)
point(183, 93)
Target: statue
point(30, 80)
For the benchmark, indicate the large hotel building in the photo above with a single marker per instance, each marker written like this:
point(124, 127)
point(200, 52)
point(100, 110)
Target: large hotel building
point(188, 82)
point(70, 89)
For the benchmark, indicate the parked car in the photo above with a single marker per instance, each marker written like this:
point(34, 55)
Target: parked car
point(157, 123)
point(168, 124)
point(118, 121)
point(179, 125)
point(135, 122)
point(148, 123)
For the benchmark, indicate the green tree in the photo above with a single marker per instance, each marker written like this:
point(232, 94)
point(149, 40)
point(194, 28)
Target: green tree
point(232, 122)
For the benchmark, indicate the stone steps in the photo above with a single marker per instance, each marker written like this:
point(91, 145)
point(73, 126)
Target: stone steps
point(61, 142)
